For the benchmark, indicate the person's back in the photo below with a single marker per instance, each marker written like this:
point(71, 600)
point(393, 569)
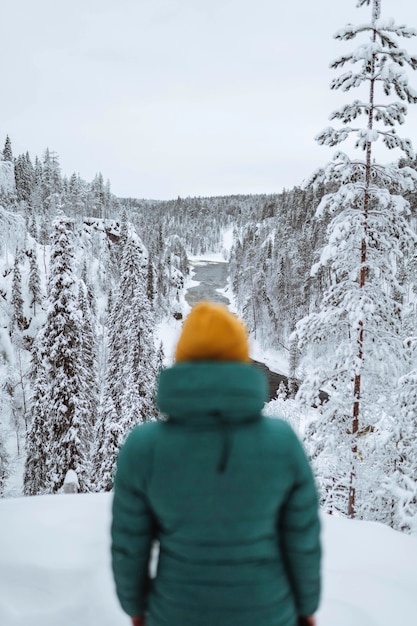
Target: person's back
point(230, 497)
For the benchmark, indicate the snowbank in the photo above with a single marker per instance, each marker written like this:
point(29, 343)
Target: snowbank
point(55, 567)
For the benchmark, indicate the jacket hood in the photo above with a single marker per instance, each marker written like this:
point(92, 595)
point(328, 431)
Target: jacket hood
point(207, 391)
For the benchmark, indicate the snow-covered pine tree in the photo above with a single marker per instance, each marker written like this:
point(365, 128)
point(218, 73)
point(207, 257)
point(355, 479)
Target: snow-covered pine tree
point(34, 285)
point(150, 288)
point(132, 319)
point(24, 177)
point(75, 198)
point(355, 337)
point(402, 480)
point(89, 292)
point(160, 357)
point(51, 186)
point(109, 436)
point(18, 320)
point(124, 236)
point(62, 415)
point(131, 366)
point(4, 466)
point(7, 150)
point(89, 356)
point(38, 439)
point(4, 457)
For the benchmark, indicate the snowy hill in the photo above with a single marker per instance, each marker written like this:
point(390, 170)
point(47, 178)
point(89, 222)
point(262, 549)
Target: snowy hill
point(55, 567)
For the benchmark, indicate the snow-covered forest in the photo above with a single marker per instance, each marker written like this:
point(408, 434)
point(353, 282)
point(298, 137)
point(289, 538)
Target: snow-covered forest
point(324, 276)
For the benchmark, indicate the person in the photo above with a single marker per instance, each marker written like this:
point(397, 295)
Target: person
point(227, 493)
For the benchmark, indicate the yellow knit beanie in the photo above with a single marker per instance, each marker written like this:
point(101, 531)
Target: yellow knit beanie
point(211, 332)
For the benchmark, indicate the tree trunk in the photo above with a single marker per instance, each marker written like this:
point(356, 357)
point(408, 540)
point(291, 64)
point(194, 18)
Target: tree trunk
point(376, 11)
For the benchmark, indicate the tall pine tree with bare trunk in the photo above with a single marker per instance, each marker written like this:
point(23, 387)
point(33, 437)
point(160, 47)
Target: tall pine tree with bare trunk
point(354, 340)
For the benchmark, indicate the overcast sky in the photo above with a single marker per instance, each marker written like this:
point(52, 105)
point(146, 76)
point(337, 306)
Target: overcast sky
point(178, 97)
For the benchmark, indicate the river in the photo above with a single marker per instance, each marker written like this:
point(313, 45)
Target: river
point(211, 277)
point(212, 280)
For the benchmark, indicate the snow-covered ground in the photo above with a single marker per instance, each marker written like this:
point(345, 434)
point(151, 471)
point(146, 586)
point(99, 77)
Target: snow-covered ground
point(55, 567)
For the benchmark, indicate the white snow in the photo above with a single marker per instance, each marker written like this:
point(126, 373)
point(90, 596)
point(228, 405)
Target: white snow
point(71, 478)
point(7, 182)
point(274, 360)
point(167, 332)
point(55, 567)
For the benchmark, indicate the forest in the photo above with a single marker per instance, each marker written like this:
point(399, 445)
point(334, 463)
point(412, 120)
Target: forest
point(324, 274)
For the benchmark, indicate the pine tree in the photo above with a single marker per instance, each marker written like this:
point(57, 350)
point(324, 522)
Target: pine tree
point(150, 291)
point(36, 203)
point(132, 364)
point(292, 367)
point(402, 480)
point(62, 415)
point(24, 177)
point(36, 473)
point(51, 184)
point(18, 320)
point(34, 281)
point(98, 196)
point(4, 466)
point(123, 238)
point(132, 334)
point(108, 200)
point(7, 151)
point(358, 351)
point(89, 357)
point(160, 357)
point(109, 437)
point(76, 198)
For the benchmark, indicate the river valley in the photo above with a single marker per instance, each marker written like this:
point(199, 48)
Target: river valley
point(212, 281)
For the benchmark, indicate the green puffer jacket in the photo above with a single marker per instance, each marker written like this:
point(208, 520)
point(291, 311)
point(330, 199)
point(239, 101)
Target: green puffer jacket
point(229, 496)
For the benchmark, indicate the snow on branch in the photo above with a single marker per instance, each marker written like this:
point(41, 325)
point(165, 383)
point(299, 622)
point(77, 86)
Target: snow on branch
point(351, 30)
point(349, 112)
point(389, 25)
point(365, 52)
point(344, 170)
point(382, 27)
point(347, 81)
point(347, 196)
point(392, 140)
point(332, 136)
point(365, 136)
point(393, 77)
point(407, 176)
point(341, 169)
point(390, 114)
point(401, 57)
